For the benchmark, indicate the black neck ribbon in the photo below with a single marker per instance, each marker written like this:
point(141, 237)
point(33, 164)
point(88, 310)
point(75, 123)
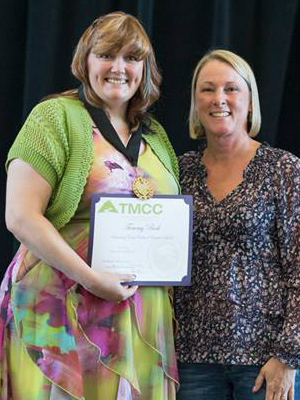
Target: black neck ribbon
point(131, 151)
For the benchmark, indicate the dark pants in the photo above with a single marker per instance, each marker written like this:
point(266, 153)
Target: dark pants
point(221, 382)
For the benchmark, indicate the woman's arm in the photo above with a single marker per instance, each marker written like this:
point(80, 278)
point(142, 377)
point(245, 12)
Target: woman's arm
point(279, 371)
point(28, 194)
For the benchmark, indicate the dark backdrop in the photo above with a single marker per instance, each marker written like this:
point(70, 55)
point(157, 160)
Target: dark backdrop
point(37, 39)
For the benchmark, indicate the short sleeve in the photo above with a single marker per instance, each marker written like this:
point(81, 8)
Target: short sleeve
point(42, 141)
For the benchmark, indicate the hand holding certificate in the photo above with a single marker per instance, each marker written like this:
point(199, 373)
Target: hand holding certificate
point(149, 238)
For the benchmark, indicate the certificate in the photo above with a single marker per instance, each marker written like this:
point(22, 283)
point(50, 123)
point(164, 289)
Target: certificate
point(149, 238)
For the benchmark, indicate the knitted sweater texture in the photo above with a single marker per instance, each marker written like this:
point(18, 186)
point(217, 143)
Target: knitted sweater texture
point(56, 141)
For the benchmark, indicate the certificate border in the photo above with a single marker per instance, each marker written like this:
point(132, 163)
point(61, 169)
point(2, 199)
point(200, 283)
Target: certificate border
point(188, 199)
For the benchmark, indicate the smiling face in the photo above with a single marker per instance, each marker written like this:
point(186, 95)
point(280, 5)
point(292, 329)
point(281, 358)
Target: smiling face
point(115, 78)
point(222, 99)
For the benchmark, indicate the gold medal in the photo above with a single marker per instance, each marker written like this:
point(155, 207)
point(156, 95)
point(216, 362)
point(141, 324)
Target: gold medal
point(142, 188)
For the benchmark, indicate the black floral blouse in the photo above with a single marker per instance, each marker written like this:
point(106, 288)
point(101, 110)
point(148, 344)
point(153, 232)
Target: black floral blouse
point(243, 306)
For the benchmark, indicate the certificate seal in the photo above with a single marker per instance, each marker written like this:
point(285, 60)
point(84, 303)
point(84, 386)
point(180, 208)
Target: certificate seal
point(164, 257)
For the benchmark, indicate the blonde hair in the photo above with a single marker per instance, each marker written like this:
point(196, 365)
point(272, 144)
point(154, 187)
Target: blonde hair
point(110, 33)
point(244, 70)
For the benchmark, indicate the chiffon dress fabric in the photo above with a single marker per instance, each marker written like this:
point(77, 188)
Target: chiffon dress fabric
point(58, 341)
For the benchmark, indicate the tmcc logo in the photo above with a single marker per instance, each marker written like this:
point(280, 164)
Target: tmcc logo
point(129, 208)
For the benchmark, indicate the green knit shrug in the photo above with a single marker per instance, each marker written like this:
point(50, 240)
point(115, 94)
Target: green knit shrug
point(56, 141)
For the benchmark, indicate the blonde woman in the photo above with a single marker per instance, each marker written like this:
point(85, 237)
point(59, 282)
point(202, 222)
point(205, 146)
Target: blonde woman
point(239, 330)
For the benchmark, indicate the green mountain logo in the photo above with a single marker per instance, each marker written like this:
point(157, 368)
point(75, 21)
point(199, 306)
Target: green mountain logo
point(108, 207)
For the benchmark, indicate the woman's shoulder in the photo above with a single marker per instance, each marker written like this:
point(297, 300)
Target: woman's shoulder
point(57, 116)
point(153, 126)
point(189, 159)
point(155, 134)
point(280, 158)
point(57, 104)
point(281, 166)
point(189, 167)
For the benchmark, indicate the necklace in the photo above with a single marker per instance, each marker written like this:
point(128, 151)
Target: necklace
point(141, 187)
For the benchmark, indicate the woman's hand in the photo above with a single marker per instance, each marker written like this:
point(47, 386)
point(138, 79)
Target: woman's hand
point(280, 380)
point(110, 286)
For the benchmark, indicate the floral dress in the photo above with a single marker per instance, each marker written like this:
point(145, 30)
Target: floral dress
point(58, 341)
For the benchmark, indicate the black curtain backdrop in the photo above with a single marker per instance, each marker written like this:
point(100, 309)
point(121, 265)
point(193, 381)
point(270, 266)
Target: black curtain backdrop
point(38, 37)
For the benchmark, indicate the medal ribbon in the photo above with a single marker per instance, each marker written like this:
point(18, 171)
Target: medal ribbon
point(131, 151)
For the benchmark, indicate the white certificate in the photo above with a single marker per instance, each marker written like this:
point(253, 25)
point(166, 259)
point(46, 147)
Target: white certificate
point(149, 238)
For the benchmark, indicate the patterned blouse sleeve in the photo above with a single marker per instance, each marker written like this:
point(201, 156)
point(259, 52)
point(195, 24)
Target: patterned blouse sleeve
point(287, 346)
